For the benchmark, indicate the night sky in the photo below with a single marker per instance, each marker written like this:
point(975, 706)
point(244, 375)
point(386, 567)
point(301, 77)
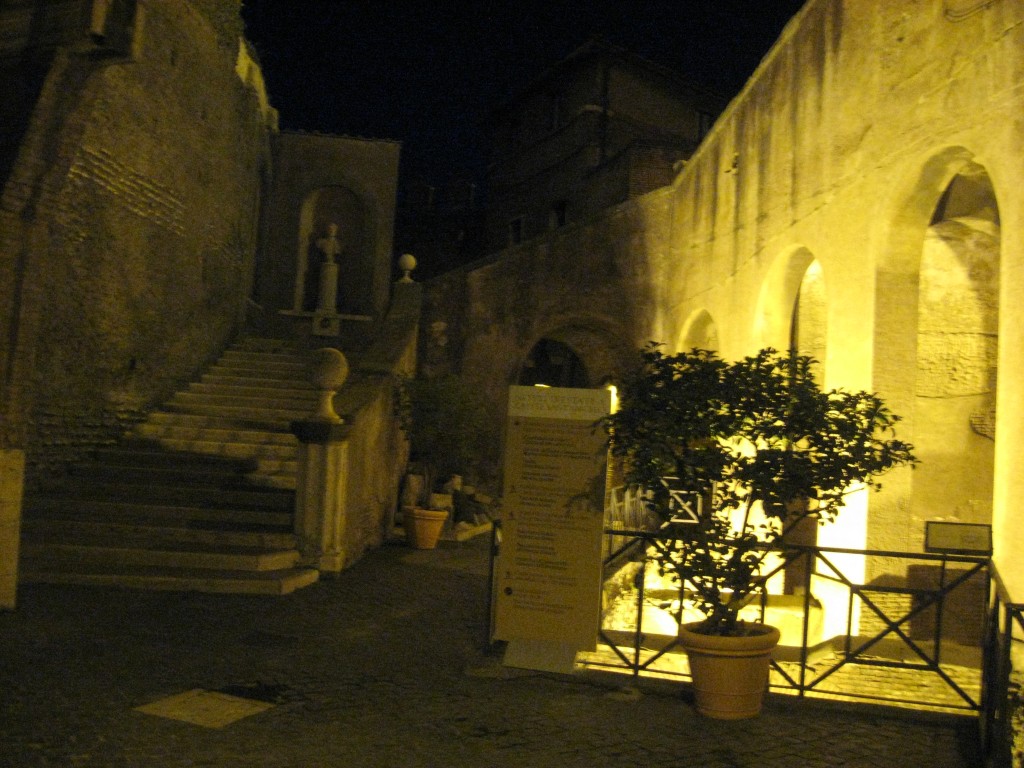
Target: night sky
point(427, 73)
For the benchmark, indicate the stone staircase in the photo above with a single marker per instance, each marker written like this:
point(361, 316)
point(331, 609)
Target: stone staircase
point(198, 497)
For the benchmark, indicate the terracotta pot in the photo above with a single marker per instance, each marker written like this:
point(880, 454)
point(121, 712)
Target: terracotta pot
point(423, 526)
point(730, 674)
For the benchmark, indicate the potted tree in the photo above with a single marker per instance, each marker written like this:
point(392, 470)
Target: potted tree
point(755, 447)
point(447, 427)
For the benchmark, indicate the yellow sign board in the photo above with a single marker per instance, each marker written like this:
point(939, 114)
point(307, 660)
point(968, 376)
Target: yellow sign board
point(548, 572)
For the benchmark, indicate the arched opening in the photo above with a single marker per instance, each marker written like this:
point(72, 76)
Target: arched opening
point(779, 299)
point(935, 364)
point(957, 340)
point(800, 286)
point(808, 333)
point(578, 354)
point(552, 363)
point(699, 332)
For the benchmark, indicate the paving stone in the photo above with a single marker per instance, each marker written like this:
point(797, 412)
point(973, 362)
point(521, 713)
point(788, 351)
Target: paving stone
point(383, 666)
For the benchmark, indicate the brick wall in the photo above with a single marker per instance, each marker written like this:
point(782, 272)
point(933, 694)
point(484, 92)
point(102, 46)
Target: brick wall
point(137, 185)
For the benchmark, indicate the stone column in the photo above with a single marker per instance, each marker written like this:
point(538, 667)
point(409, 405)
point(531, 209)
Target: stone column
point(322, 481)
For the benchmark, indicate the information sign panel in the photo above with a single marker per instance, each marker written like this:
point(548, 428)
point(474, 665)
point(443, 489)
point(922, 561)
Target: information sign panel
point(548, 573)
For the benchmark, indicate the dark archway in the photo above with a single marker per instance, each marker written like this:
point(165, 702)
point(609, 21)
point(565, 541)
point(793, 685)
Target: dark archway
point(553, 363)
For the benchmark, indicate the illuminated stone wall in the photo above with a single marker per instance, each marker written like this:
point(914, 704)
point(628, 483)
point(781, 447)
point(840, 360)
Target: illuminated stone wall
point(906, 210)
point(129, 224)
point(879, 147)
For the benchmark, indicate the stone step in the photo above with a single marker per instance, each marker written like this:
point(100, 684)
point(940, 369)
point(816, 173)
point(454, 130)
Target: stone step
point(42, 531)
point(261, 380)
point(128, 490)
point(56, 508)
point(248, 457)
point(157, 475)
point(237, 414)
point(268, 368)
point(193, 402)
point(251, 422)
point(245, 388)
point(100, 552)
point(172, 431)
point(144, 454)
point(284, 353)
point(174, 579)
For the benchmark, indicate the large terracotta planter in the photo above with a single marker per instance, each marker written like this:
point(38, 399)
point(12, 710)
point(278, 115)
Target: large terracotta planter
point(423, 526)
point(730, 674)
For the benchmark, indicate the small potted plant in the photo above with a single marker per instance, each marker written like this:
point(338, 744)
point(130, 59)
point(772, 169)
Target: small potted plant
point(447, 426)
point(756, 447)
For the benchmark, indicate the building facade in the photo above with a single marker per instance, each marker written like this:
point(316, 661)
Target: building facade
point(601, 127)
point(859, 200)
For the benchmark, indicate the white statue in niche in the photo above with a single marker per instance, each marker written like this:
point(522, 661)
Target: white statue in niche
point(327, 302)
point(326, 320)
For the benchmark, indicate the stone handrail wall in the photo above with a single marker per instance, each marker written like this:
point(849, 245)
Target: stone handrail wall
point(350, 508)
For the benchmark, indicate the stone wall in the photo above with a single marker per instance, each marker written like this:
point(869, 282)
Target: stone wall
point(856, 135)
point(378, 449)
point(130, 221)
point(581, 287)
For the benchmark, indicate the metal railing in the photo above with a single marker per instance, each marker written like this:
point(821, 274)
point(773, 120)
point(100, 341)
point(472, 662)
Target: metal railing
point(913, 636)
point(1005, 629)
point(914, 655)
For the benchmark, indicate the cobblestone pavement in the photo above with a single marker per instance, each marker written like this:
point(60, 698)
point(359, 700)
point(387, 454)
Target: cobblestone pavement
point(383, 666)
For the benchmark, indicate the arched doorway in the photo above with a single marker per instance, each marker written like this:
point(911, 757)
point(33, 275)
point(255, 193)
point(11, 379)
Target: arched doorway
point(576, 354)
point(935, 349)
point(552, 363)
point(808, 333)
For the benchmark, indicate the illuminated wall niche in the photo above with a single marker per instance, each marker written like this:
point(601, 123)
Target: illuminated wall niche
point(321, 208)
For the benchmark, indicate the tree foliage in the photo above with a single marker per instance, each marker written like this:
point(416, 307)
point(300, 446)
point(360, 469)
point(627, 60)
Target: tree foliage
point(756, 433)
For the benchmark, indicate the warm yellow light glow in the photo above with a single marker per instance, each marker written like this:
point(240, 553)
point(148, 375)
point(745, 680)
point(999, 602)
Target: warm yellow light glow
point(615, 396)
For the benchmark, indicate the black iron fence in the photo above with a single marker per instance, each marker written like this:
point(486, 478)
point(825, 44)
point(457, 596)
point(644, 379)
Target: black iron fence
point(870, 625)
point(928, 631)
point(1001, 694)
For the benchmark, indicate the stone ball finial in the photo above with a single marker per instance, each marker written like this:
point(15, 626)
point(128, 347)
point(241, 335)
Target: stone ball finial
point(329, 370)
point(406, 263)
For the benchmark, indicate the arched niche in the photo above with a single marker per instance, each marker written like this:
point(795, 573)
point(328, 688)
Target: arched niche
point(699, 332)
point(957, 344)
point(553, 363)
point(935, 347)
point(340, 206)
point(778, 297)
point(808, 333)
point(792, 314)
